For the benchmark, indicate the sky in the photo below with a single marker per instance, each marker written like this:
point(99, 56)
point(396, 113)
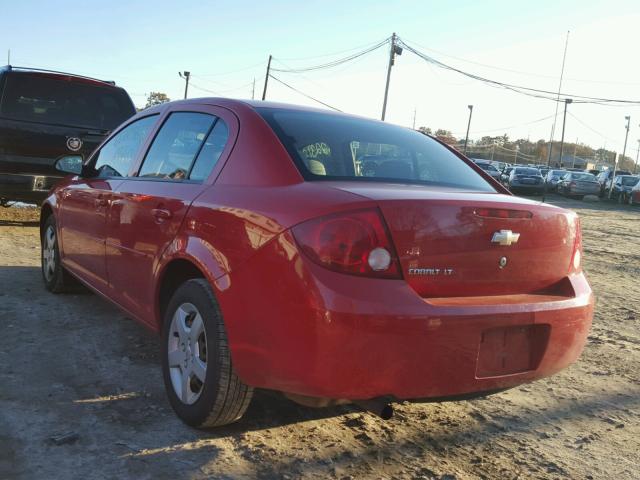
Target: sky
point(142, 45)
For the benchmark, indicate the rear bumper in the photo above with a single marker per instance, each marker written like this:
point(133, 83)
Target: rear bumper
point(524, 188)
point(313, 332)
point(584, 191)
point(26, 187)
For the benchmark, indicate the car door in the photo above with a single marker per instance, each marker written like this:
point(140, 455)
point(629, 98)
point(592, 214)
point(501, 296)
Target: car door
point(148, 208)
point(85, 201)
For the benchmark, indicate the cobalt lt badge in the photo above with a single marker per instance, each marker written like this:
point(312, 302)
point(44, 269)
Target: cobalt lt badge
point(74, 144)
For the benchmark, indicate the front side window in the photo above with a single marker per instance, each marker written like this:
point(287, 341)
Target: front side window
point(174, 149)
point(327, 146)
point(116, 157)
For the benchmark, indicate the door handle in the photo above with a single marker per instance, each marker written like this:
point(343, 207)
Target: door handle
point(101, 202)
point(161, 214)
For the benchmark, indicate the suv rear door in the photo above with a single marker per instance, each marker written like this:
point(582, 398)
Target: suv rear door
point(147, 209)
point(44, 116)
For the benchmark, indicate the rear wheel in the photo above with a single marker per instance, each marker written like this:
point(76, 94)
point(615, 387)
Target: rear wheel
point(200, 381)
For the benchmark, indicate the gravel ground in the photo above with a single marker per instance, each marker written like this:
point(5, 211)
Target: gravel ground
point(81, 394)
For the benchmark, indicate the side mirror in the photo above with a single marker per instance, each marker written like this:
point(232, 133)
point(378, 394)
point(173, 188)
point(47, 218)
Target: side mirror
point(70, 164)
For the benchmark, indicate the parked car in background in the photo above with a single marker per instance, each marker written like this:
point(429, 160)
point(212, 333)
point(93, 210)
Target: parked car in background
point(504, 175)
point(490, 169)
point(45, 115)
point(605, 177)
point(526, 180)
point(622, 186)
point(593, 171)
point(634, 195)
point(552, 179)
point(578, 184)
point(245, 233)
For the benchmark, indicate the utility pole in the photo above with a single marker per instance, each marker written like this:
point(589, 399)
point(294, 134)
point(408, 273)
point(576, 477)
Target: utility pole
point(635, 166)
point(253, 89)
point(575, 149)
point(567, 101)
point(394, 50)
point(266, 78)
point(466, 139)
point(555, 116)
point(624, 150)
point(414, 118)
point(186, 76)
point(515, 160)
point(9, 56)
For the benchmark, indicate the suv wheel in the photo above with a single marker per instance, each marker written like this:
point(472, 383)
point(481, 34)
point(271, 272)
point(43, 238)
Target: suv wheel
point(199, 378)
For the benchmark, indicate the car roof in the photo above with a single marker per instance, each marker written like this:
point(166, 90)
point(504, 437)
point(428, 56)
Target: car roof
point(54, 73)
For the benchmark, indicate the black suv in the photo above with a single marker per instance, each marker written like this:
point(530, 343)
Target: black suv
point(45, 115)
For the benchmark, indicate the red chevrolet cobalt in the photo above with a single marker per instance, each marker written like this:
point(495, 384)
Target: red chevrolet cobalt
point(329, 257)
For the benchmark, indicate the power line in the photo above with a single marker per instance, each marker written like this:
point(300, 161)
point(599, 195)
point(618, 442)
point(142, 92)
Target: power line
point(533, 92)
point(334, 63)
point(510, 127)
point(304, 94)
point(519, 72)
point(359, 47)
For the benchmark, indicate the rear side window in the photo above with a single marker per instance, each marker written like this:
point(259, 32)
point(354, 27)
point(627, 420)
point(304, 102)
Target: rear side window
point(176, 145)
point(211, 151)
point(116, 157)
point(57, 100)
point(327, 146)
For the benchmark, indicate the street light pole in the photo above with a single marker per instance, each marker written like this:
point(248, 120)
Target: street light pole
point(466, 139)
point(567, 101)
point(186, 76)
point(635, 166)
point(515, 160)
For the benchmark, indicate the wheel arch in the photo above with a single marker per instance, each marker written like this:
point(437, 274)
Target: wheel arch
point(173, 274)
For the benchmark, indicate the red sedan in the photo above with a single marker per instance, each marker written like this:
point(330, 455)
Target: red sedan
point(326, 256)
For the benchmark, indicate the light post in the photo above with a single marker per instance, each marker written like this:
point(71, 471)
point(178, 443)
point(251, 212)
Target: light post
point(466, 139)
point(635, 166)
point(515, 160)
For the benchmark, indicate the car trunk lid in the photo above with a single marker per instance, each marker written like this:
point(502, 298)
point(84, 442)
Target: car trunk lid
point(457, 245)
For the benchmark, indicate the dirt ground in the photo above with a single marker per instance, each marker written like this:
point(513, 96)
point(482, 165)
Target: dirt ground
point(74, 364)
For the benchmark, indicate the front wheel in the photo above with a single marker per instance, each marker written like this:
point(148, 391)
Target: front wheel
point(199, 378)
point(56, 278)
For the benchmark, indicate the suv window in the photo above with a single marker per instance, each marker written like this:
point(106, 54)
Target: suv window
point(55, 99)
point(326, 146)
point(116, 157)
point(176, 145)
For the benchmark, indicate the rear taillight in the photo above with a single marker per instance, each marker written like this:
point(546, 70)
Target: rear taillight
point(357, 243)
point(576, 259)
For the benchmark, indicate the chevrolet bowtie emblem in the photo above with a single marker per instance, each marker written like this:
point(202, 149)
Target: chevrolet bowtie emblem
point(505, 237)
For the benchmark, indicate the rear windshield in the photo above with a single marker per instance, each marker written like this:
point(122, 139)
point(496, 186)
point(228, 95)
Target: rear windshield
point(486, 166)
point(629, 181)
point(327, 146)
point(56, 100)
point(558, 173)
point(527, 171)
point(585, 177)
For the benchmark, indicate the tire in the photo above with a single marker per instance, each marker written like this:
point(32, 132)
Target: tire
point(199, 378)
point(56, 278)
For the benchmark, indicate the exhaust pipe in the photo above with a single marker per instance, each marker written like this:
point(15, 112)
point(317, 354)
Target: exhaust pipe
point(378, 406)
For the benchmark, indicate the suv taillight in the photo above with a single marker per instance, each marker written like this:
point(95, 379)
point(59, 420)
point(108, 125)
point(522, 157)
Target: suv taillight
point(356, 243)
